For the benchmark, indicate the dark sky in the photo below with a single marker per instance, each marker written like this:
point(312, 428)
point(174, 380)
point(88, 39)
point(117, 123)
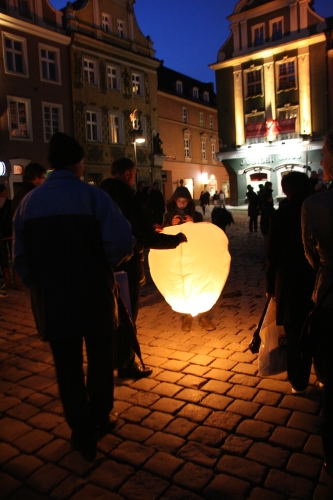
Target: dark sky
point(187, 34)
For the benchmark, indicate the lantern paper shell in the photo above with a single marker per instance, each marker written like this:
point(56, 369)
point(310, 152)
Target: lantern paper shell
point(191, 277)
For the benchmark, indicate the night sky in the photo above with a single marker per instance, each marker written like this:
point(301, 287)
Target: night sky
point(187, 34)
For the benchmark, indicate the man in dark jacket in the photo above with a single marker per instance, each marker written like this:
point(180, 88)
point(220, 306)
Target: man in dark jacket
point(68, 235)
point(119, 188)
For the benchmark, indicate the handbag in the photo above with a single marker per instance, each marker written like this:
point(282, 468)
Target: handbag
point(272, 357)
point(255, 342)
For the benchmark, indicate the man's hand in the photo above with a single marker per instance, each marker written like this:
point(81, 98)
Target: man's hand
point(158, 228)
point(182, 238)
point(187, 218)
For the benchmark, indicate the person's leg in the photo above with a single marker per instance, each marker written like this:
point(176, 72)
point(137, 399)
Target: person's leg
point(100, 376)
point(251, 224)
point(299, 363)
point(255, 223)
point(324, 329)
point(205, 322)
point(186, 322)
point(68, 360)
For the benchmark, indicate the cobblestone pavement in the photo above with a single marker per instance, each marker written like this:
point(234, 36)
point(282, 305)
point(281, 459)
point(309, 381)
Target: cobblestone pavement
point(203, 426)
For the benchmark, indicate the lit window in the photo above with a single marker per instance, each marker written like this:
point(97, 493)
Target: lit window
point(288, 122)
point(52, 118)
point(201, 120)
point(211, 123)
point(49, 63)
point(203, 149)
point(253, 82)
point(19, 116)
point(15, 55)
point(89, 71)
point(121, 28)
point(258, 34)
point(184, 114)
point(116, 122)
point(255, 127)
point(92, 126)
point(113, 77)
point(213, 151)
point(195, 92)
point(187, 145)
point(179, 87)
point(286, 75)
point(206, 96)
point(276, 29)
point(136, 84)
point(105, 23)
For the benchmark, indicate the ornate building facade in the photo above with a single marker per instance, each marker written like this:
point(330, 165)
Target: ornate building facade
point(35, 94)
point(188, 128)
point(272, 92)
point(114, 79)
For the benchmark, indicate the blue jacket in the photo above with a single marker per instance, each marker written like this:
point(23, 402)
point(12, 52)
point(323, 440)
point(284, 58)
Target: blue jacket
point(67, 234)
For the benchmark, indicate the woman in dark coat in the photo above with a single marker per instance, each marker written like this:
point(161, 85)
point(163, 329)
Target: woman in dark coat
point(289, 276)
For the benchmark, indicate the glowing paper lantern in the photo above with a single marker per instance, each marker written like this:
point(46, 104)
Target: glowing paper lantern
point(191, 277)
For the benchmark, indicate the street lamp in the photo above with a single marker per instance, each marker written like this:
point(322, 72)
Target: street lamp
point(136, 135)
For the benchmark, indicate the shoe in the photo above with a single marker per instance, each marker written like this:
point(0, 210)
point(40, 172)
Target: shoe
point(206, 324)
point(296, 392)
point(135, 371)
point(87, 449)
point(187, 323)
point(108, 426)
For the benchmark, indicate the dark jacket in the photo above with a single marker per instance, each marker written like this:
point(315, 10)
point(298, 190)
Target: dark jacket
point(289, 276)
point(25, 188)
point(317, 228)
point(67, 236)
point(252, 209)
point(173, 210)
point(6, 220)
point(142, 230)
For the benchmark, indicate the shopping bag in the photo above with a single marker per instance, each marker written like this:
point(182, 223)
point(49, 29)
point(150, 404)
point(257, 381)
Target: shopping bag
point(272, 357)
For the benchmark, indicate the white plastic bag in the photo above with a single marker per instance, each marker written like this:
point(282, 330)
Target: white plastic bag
point(272, 357)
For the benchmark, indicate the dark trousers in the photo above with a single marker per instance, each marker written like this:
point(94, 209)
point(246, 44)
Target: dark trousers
point(124, 352)
point(323, 328)
point(299, 364)
point(253, 223)
point(86, 405)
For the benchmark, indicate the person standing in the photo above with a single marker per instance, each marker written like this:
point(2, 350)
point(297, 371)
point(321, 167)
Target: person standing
point(33, 176)
point(317, 231)
point(67, 235)
point(203, 202)
point(222, 198)
point(252, 209)
point(289, 277)
point(119, 188)
point(156, 203)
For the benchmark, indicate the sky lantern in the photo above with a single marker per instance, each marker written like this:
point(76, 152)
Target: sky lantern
point(191, 277)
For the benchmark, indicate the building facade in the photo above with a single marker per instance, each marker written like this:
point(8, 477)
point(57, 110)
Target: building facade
point(188, 129)
point(35, 94)
point(114, 86)
point(272, 93)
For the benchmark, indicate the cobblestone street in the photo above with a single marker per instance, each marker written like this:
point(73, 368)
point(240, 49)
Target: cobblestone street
point(203, 426)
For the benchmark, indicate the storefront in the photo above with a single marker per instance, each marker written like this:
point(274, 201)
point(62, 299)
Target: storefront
point(259, 163)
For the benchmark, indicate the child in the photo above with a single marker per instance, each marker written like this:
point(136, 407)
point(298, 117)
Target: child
point(181, 209)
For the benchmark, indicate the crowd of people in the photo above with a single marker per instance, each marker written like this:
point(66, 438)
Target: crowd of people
point(70, 237)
